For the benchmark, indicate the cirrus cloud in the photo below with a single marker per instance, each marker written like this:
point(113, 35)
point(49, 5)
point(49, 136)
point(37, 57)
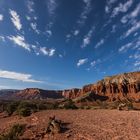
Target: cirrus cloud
point(17, 76)
point(20, 41)
point(1, 17)
point(46, 51)
point(82, 61)
point(15, 19)
point(101, 42)
point(122, 8)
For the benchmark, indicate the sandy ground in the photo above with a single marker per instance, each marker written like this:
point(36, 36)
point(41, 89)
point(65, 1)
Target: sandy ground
point(81, 124)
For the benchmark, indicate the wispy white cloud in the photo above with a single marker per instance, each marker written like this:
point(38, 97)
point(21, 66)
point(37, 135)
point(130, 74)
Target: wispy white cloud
point(49, 33)
point(137, 63)
point(134, 45)
point(68, 36)
point(82, 62)
point(134, 28)
point(37, 49)
point(34, 27)
point(60, 55)
point(35, 17)
point(95, 62)
point(2, 38)
point(51, 6)
point(82, 19)
point(30, 6)
point(113, 30)
point(132, 15)
point(87, 38)
point(125, 47)
point(101, 42)
point(85, 12)
point(1, 17)
point(5, 87)
point(46, 51)
point(20, 41)
point(135, 56)
point(28, 18)
point(76, 32)
point(122, 8)
point(109, 5)
point(15, 19)
point(18, 76)
point(51, 52)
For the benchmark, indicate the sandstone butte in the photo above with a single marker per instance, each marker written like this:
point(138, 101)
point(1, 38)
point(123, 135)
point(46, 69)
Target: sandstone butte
point(115, 87)
point(111, 88)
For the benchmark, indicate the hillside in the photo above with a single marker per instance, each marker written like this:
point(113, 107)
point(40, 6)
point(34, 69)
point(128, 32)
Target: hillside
point(111, 88)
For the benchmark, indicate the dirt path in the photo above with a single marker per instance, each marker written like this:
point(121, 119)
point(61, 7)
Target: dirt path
point(82, 124)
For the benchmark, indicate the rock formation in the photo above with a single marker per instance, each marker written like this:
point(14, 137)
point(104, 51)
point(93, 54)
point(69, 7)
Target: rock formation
point(111, 88)
point(35, 93)
point(116, 87)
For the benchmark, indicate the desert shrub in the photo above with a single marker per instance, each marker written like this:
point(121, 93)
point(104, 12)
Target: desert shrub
point(130, 106)
point(98, 102)
point(70, 105)
point(16, 131)
point(26, 108)
point(87, 107)
point(128, 103)
point(11, 108)
point(114, 105)
point(51, 105)
point(104, 105)
point(24, 112)
point(41, 106)
point(28, 104)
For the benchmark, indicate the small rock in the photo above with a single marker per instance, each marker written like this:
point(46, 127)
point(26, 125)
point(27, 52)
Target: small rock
point(68, 135)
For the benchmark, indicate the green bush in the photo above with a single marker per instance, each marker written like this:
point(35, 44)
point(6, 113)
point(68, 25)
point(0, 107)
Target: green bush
point(11, 108)
point(28, 104)
point(24, 112)
point(26, 108)
point(130, 106)
point(70, 105)
point(16, 131)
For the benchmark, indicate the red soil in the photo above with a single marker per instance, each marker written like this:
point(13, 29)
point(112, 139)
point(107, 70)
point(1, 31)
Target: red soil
point(83, 125)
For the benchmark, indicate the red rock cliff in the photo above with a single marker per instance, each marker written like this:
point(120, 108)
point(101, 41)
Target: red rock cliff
point(116, 87)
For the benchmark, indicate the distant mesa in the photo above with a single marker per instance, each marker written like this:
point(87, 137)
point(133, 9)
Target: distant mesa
point(35, 93)
point(111, 88)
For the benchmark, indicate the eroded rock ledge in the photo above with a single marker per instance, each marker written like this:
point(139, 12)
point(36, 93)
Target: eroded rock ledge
point(116, 87)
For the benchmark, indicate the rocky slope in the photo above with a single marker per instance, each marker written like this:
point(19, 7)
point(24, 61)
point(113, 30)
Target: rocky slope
point(35, 93)
point(112, 88)
point(30, 94)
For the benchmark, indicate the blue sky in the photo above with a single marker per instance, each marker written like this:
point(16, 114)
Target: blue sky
point(58, 44)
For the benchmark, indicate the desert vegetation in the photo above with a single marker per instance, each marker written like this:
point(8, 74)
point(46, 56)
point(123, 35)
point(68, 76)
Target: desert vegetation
point(27, 107)
point(15, 131)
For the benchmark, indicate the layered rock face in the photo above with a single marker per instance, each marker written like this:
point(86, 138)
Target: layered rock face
point(116, 87)
point(71, 93)
point(111, 88)
point(35, 93)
